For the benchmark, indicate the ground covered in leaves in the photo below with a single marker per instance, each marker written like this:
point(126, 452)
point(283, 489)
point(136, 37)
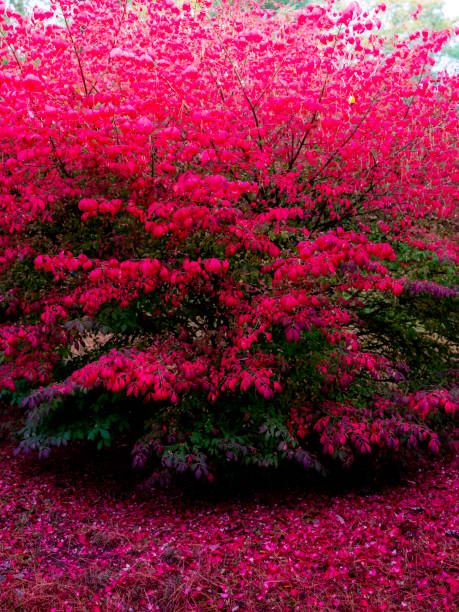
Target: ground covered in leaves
point(77, 536)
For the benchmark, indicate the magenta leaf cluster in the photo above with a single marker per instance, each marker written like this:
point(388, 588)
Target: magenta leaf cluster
point(226, 233)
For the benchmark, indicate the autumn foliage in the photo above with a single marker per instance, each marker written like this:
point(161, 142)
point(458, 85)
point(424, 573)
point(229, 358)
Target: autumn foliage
point(227, 234)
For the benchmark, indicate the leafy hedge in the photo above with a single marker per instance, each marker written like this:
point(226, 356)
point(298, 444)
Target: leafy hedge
point(226, 233)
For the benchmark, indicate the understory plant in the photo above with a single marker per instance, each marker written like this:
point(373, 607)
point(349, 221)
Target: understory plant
point(227, 233)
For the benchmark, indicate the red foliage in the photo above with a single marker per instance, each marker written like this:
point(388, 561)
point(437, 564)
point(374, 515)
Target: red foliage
point(229, 181)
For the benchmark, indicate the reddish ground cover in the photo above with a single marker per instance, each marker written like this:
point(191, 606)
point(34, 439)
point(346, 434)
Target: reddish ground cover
point(72, 540)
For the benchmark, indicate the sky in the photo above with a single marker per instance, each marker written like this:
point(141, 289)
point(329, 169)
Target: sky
point(451, 7)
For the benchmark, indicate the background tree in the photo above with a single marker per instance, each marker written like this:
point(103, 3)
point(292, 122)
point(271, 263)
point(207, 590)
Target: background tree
point(19, 6)
point(398, 18)
point(406, 17)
